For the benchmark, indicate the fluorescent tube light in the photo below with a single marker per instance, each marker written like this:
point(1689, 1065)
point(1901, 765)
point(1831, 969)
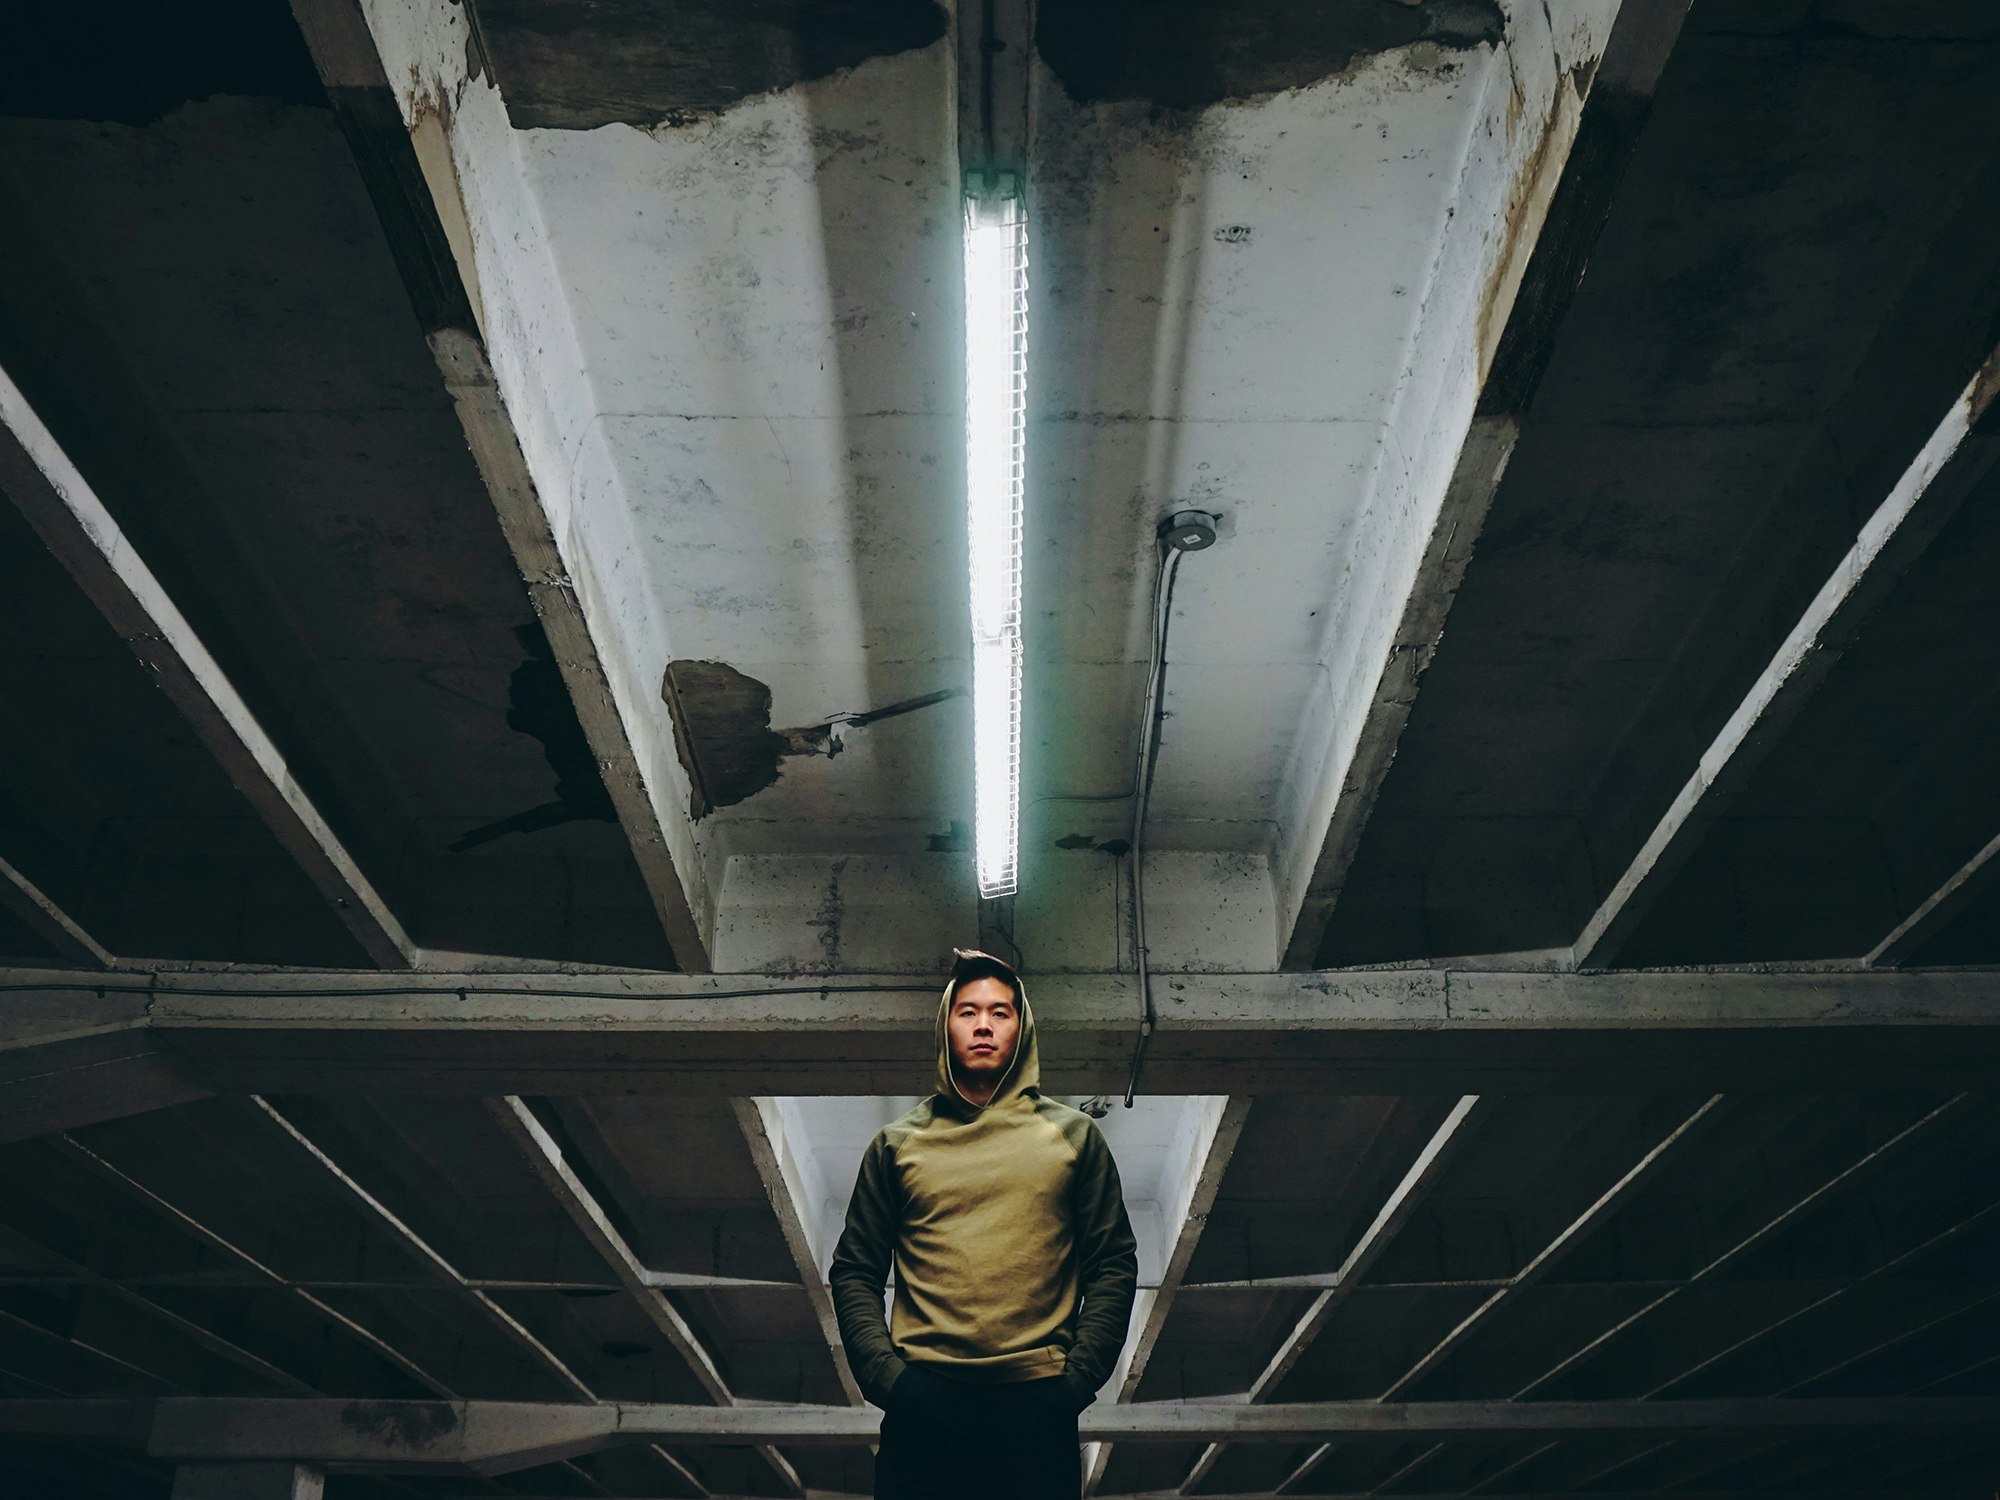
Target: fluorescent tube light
point(996, 385)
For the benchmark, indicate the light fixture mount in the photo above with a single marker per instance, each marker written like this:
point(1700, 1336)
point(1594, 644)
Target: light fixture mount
point(1189, 530)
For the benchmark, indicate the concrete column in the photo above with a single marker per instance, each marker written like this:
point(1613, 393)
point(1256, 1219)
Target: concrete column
point(265, 1481)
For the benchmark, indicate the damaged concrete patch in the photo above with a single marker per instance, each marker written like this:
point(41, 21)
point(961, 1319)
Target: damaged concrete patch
point(579, 64)
point(539, 704)
point(722, 729)
point(1185, 54)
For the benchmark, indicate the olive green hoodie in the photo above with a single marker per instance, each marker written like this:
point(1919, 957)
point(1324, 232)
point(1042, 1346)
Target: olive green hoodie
point(1014, 1257)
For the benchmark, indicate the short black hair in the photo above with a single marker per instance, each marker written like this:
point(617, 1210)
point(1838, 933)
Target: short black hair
point(971, 963)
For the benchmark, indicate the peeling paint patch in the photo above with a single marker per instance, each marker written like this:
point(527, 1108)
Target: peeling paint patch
point(579, 64)
point(539, 705)
point(1186, 54)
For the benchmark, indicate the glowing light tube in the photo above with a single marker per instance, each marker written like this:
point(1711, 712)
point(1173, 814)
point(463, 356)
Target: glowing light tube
point(996, 385)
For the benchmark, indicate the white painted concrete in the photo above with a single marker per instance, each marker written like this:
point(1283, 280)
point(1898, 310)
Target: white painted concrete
point(733, 348)
point(1519, 126)
point(903, 914)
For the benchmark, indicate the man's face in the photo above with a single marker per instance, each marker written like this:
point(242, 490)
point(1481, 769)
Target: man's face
point(984, 1025)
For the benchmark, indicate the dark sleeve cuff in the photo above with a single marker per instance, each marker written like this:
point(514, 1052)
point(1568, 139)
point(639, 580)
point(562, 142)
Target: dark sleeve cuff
point(882, 1380)
point(1083, 1390)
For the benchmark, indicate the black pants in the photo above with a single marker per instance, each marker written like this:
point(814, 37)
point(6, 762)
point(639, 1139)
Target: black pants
point(946, 1439)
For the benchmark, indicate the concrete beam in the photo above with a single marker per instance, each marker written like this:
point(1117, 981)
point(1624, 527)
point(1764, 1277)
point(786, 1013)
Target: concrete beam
point(777, 1167)
point(41, 915)
point(131, 1187)
point(1197, 1183)
point(497, 1437)
point(410, 160)
point(545, 1158)
point(1561, 193)
point(1869, 1161)
point(52, 494)
point(1403, 1201)
point(1785, 1319)
point(1960, 451)
point(1359, 1031)
point(446, 1274)
point(1558, 1249)
point(71, 1055)
point(1551, 1255)
point(148, 1308)
point(1967, 883)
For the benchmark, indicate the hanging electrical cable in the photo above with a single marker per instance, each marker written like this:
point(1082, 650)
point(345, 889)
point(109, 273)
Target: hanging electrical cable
point(1184, 532)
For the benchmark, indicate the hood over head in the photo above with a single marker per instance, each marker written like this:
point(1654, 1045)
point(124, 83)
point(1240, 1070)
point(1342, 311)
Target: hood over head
point(1024, 1071)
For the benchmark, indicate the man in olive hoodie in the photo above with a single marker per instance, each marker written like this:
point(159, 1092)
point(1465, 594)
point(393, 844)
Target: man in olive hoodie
point(1015, 1264)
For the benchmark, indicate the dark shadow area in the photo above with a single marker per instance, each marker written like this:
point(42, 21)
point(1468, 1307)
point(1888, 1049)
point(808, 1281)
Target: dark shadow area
point(1795, 283)
point(206, 314)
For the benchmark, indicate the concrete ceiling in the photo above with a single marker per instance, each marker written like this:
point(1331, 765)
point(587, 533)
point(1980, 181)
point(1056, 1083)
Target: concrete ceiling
point(470, 459)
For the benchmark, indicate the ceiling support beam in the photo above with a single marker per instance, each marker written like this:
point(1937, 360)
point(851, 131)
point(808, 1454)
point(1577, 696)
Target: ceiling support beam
point(1199, 1180)
point(1968, 882)
point(1551, 1255)
point(413, 175)
point(422, 1252)
point(1554, 228)
point(203, 1337)
point(498, 1437)
point(764, 1133)
point(71, 1056)
point(56, 500)
point(131, 1187)
point(1960, 451)
point(1559, 1248)
point(1711, 1466)
point(1869, 1161)
point(41, 915)
point(89, 1350)
point(1882, 1346)
point(1785, 1320)
point(1365, 1031)
point(1396, 1211)
point(544, 1156)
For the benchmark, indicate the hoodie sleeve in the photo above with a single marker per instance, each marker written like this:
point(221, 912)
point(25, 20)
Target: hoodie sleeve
point(1108, 1265)
point(861, 1270)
